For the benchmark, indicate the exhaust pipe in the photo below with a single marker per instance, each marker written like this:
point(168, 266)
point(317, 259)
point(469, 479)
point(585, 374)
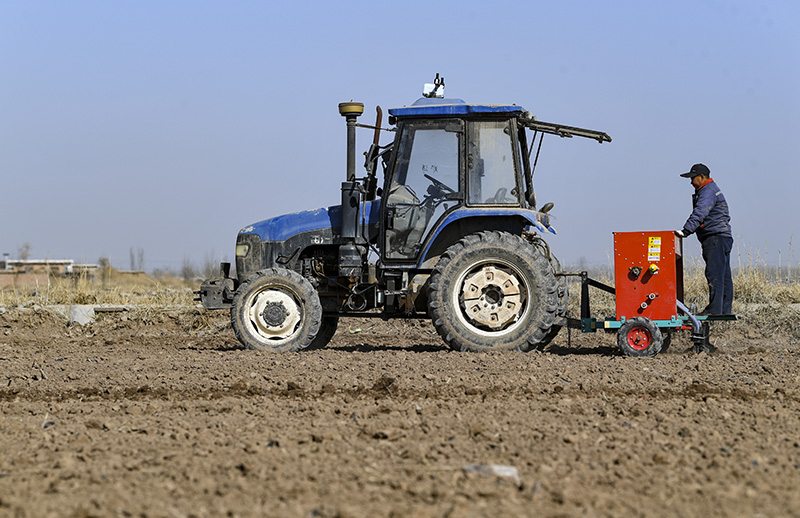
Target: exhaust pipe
point(351, 190)
point(350, 255)
point(351, 111)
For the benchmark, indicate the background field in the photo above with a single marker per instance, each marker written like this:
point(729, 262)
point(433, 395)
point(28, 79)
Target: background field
point(767, 299)
point(155, 411)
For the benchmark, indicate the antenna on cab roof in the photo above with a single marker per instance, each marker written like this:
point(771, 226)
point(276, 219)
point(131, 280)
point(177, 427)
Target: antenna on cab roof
point(435, 89)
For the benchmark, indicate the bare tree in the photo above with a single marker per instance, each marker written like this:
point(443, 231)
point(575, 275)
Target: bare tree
point(104, 263)
point(162, 273)
point(210, 264)
point(188, 271)
point(24, 251)
point(137, 260)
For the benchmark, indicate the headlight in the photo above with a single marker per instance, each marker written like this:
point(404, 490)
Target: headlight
point(242, 250)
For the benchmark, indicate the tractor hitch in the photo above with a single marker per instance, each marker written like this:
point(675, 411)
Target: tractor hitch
point(217, 293)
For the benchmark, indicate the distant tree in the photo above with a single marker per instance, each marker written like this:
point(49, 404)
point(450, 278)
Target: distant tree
point(137, 260)
point(24, 251)
point(210, 265)
point(162, 273)
point(105, 270)
point(188, 271)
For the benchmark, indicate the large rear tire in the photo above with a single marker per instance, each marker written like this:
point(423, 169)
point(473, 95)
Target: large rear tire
point(563, 302)
point(276, 309)
point(493, 291)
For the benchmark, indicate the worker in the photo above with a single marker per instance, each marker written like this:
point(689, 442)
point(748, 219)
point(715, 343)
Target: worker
point(711, 221)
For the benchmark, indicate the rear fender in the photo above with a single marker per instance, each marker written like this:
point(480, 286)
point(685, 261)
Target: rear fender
point(467, 221)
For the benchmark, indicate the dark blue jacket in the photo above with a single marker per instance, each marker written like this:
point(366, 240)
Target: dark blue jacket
point(710, 215)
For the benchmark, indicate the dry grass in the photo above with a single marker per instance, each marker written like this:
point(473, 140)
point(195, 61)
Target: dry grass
point(110, 287)
point(767, 300)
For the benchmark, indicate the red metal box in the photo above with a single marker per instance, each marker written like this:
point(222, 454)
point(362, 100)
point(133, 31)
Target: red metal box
point(648, 274)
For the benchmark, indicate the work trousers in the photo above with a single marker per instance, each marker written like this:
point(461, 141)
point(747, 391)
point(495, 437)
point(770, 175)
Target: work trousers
point(717, 255)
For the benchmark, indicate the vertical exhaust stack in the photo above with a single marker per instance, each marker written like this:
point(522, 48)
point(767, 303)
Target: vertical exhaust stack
point(350, 256)
point(351, 111)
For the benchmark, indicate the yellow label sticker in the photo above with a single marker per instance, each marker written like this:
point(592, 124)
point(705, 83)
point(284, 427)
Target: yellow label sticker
point(654, 241)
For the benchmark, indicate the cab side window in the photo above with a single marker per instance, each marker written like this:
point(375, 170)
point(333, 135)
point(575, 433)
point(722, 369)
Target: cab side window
point(491, 179)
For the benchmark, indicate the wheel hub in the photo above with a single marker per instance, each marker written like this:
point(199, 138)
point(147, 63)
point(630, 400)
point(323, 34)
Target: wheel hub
point(275, 314)
point(639, 338)
point(492, 297)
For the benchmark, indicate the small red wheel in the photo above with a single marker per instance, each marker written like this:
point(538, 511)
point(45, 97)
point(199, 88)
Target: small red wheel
point(639, 336)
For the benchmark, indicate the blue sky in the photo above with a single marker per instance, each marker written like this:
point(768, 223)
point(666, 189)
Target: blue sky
point(168, 126)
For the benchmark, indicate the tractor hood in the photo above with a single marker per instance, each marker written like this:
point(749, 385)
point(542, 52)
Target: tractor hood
point(329, 219)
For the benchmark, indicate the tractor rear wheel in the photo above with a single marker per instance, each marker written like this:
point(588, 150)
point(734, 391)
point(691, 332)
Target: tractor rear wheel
point(493, 291)
point(276, 309)
point(563, 301)
point(640, 336)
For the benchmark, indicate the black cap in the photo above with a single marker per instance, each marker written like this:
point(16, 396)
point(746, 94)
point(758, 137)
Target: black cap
point(697, 170)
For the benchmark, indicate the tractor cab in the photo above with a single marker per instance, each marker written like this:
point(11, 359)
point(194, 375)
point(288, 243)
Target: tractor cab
point(463, 164)
point(450, 156)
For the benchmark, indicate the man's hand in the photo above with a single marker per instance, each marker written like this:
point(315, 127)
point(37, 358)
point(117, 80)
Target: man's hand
point(680, 233)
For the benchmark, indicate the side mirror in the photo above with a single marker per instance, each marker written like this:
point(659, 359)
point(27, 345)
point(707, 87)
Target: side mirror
point(547, 207)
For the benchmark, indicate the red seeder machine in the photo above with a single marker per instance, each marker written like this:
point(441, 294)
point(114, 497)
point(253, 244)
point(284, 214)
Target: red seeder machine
point(648, 272)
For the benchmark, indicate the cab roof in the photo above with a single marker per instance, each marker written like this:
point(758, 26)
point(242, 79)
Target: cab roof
point(432, 107)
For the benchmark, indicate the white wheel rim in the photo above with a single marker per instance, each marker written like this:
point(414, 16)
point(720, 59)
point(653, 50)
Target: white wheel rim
point(492, 297)
point(274, 314)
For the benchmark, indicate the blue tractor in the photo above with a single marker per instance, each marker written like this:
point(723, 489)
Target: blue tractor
point(454, 234)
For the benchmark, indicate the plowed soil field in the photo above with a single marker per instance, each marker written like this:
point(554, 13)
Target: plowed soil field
point(161, 414)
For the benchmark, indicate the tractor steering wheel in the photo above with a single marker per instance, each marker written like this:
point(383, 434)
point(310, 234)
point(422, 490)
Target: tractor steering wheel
point(444, 188)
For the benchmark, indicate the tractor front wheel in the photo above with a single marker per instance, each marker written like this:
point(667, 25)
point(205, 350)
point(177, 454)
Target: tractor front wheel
point(639, 336)
point(276, 309)
point(327, 329)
